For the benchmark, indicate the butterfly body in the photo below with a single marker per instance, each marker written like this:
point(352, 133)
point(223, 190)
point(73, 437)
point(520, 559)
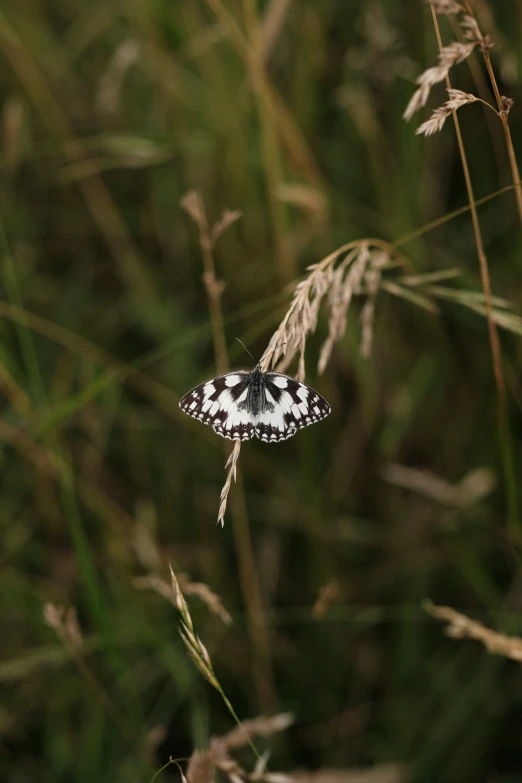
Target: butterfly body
point(243, 405)
point(256, 400)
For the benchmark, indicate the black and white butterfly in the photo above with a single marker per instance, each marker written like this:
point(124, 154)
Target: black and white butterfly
point(266, 405)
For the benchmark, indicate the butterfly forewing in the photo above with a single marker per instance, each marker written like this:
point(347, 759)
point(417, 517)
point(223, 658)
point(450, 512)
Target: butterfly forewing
point(242, 405)
point(216, 403)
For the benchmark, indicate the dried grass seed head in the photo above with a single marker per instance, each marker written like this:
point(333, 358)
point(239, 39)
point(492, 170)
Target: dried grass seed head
point(506, 103)
point(440, 115)
point(231, 463)
point(64, 623)
point(200, 768)
point(336, 281)
point(471, 29)
point(203, 763)
point(180, 600)
point(456, 52)
point(460, 626)
point(372, 281)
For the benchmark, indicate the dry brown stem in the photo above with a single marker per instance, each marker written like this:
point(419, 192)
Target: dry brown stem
point(194, 206)
point(460, 626)
point(472, 28)
point(472, 32)
point(484, 274)
point(250, 588)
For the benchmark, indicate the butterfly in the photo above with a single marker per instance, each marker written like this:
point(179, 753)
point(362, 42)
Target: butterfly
point(266, 405)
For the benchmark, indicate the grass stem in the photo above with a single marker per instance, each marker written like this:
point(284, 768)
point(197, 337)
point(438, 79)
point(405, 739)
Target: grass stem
point(502, 410)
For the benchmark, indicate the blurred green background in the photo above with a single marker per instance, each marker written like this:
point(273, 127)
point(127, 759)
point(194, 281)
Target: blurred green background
point(110, 112)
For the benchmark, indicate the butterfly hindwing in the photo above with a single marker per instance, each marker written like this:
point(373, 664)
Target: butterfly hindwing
point(290, 406)
point(242, 405)
point(215, 402)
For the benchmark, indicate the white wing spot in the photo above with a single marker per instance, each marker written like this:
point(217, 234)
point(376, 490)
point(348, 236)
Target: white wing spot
point(268, 397)
point(232, 380)
point(296, 411)
point(225, 400)
point(208, 389)
point(281, 382)
point(192, 404)
point(316, 409)
point(286, 401)
point(273, 419)
point(302, 393)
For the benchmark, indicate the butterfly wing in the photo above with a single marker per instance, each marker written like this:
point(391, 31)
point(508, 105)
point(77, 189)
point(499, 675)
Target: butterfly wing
point(218, 402)
point(289, 406)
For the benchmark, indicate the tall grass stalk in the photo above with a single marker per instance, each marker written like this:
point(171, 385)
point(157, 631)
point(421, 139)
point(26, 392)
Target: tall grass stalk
point(503, 111)
point(261, 663)
point(502, 409)
point(199, 653)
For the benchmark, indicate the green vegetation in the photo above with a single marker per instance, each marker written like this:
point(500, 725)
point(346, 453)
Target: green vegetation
point(111, 308)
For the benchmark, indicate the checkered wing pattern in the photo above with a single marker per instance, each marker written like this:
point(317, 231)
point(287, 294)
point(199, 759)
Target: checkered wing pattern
point(217, 402)
point(291, 405)
point(242, 405)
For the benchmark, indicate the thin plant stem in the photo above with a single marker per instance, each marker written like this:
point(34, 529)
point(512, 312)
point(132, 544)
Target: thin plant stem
point(250, 587)
point(447, 217)
point(199, 653)
point(502, 411)
point(502, 113)
point(214, 291)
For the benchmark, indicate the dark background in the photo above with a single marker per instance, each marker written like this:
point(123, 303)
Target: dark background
point(110, 112)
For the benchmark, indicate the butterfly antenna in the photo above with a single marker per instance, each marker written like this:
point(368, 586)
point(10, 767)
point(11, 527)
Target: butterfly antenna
point(244, 346)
